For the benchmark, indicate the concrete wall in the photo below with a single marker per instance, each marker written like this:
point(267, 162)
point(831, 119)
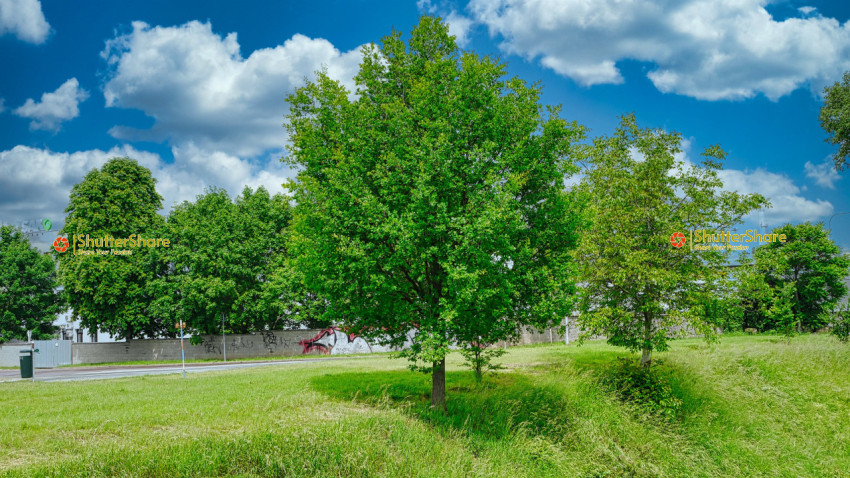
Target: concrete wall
point(274, 343)
point(268, 344)
point(10, 353)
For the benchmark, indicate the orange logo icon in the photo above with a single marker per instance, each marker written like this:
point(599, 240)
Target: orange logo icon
point(60, 244)
point(677, 239)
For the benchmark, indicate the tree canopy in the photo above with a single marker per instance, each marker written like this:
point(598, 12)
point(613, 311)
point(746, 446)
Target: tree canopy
point(110, 292)
point(29, 300)
point(835, 118)
point(432, 198)
point(794, 283)
point(635, 284)
point(224, 253)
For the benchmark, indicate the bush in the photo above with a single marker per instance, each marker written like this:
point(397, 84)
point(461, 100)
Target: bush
point(841, 323)
point(647, 388)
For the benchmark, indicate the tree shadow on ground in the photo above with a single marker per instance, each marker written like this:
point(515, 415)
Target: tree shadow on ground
point(504, 405)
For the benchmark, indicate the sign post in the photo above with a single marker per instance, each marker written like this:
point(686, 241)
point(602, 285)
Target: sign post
point(182, 325)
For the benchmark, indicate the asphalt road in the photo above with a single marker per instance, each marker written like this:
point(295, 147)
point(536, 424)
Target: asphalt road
point(65, 374)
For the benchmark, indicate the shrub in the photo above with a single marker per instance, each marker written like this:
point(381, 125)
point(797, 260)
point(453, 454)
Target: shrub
point(647, 388)
point(841, 323)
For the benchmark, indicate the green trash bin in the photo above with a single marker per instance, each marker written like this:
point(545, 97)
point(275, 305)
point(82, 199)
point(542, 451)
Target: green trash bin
point(26, 363)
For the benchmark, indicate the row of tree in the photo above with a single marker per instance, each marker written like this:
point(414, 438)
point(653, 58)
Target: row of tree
point(222, 271)
point(433, 199)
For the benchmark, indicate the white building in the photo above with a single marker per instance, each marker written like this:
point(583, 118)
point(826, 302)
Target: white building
point(73, 330)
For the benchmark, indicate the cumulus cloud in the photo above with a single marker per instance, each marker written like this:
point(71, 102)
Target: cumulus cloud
point(199, 90)
point(786, 199)
point(36, 183)
point(54, 108)
point(24, 19)
point(700, 48)
point(195, 169)
point(824, 174)
point(787, 203)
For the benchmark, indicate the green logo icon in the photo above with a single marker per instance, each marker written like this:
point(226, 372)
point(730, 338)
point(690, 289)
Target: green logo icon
point(46, 224)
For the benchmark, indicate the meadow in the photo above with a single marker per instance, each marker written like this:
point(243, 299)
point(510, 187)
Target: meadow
point(747, 406)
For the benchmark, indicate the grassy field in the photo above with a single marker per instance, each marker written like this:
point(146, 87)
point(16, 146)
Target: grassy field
point(750, 406)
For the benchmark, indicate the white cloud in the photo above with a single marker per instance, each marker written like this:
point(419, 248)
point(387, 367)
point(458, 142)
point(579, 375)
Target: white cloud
point(701, 48)
point(24, 19)
point(54, 108)
point(2, 105)
point(36, 183)
point(459, 26)
point(824, 174)
point(195, 169)
point(787, 203)
point(199, 89)
point(806, 11)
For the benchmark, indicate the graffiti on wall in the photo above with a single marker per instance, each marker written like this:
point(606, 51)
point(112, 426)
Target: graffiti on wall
point(333, 341)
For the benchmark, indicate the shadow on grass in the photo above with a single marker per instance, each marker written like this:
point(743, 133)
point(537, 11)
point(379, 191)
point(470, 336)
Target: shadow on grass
point(503, 405)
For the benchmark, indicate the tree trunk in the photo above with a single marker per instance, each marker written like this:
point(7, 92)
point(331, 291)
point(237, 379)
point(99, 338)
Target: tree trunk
point(438, 385)
point(646, 358)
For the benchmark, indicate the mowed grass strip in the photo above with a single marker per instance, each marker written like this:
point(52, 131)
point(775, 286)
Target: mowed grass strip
point(750, 406)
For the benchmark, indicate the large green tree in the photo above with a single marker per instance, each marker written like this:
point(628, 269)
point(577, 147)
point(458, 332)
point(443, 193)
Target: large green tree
point(29, 300)
point(110, 292)
point(835, 118)
point(224, 253)
point(432, 200)
point(635, 284)
point(793, 283)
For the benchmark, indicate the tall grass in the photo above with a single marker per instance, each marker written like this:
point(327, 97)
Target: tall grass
point(750, 406)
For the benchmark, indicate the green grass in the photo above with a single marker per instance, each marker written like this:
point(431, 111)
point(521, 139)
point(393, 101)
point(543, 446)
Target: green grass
point(751, 406)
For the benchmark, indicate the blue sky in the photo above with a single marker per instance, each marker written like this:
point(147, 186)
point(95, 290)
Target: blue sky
point(194, 90)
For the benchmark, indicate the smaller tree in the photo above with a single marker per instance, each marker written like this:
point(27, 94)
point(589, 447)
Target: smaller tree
point(794, 282)
point(636, 284)
point(28, 297)
point(835, 118)
point(479, 357)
